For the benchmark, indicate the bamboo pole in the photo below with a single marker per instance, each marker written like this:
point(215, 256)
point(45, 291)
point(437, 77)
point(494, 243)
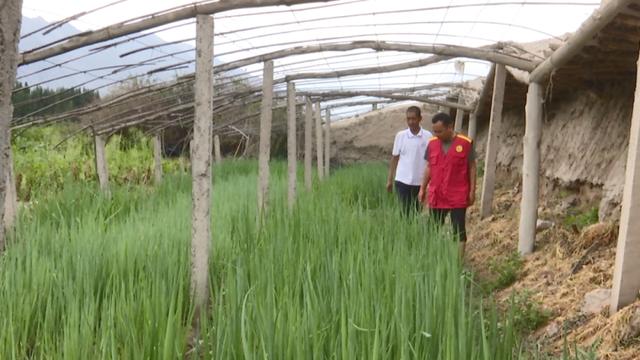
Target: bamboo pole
point(530, 169)
point(216, 149)
point(157, 158)
point(626, 273)
point(292, 161)
point(126, 28)
point(327, 143)
point(319, 143)
point(587, 31)
point(201, 165)
point(264, 155)
point(308, 145)
point(493, 142)
point(10, 21)
point(102, 168)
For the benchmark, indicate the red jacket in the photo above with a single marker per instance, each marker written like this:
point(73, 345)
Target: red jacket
point(449, 184)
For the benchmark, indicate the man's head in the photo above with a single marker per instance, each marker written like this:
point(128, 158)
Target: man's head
point(442, 126)
point(414, 116)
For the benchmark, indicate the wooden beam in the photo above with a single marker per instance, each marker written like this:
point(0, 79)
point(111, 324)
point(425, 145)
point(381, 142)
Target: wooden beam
point(292, 150)
point(587, 31)
point(264, 154)
point(486, 54)
point(383, 94)
point(493, 142)
point(319, 143)
point(530, 169)
point(308, 145)
point(626, 273)
point(201, 165)
point(130, 27)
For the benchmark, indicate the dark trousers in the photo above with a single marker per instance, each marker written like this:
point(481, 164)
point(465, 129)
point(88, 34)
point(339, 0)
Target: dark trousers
point(458, 219)
point(408, 195)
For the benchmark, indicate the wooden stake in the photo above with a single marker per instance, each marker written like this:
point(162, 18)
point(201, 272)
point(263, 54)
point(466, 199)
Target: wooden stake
point(216, 147)
point(319, 144)
point(102, 167)
point(493, 142)
point(327, 143)
point(201, 164)
point(530, 169)
point(157, 158)
point(308, 145)
point(626, 274)
point(266, 114)
point(292, 150)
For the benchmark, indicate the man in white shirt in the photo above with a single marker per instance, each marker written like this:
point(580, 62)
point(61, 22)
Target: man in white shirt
point(407, 161)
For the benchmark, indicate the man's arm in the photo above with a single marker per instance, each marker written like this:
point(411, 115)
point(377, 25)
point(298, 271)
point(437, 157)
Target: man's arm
point(472, 182)
point(393, 165)
point(425, 182)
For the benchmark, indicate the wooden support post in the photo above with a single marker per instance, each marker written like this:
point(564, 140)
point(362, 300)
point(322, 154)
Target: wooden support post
point(327, 143)
point(10, 20)
point(11, 198)
point(157, 158)
point(216, 149)
point(308, 145)
point(473, 126)
point(102, 167)
point(493, 142)
point(626, 273)
point(459, 116)
point(374, 106)
point(530, 169)
point(319, 144)
point(201, 164)
point(292, 150)
point(266, 115)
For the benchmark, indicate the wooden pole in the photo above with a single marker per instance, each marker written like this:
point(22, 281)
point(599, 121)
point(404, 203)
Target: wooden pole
point(216, 147)
point(626, 274)
point(327, 143)
point(308, 145)
point(459, 117)
point(157, 158)
point(292, 150)
point(319, 143)
point(10, 21)
point(493, 142)
point(530, 169)
point(473, 126)
point(374, 106)
point(266, 115)
point(102, 167)
point(11, 199)
point(201, 164)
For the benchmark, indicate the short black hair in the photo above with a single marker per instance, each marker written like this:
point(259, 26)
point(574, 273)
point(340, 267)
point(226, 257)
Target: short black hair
point(444, 118)
point(415, 110)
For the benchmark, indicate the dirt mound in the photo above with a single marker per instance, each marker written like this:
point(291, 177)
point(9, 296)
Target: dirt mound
point(369, 137)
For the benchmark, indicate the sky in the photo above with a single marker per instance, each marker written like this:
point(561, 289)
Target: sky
point(415, 21)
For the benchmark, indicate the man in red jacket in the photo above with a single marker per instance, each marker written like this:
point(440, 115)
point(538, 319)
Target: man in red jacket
point(449, 183)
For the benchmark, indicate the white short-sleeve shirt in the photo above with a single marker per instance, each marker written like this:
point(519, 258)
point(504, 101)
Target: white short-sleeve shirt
point(411, 149)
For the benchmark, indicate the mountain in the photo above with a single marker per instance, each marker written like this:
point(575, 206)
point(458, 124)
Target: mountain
point(106, 58)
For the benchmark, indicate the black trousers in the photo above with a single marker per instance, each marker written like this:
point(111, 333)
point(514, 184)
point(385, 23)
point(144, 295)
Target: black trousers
point(408, 195)
point(458, 219)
